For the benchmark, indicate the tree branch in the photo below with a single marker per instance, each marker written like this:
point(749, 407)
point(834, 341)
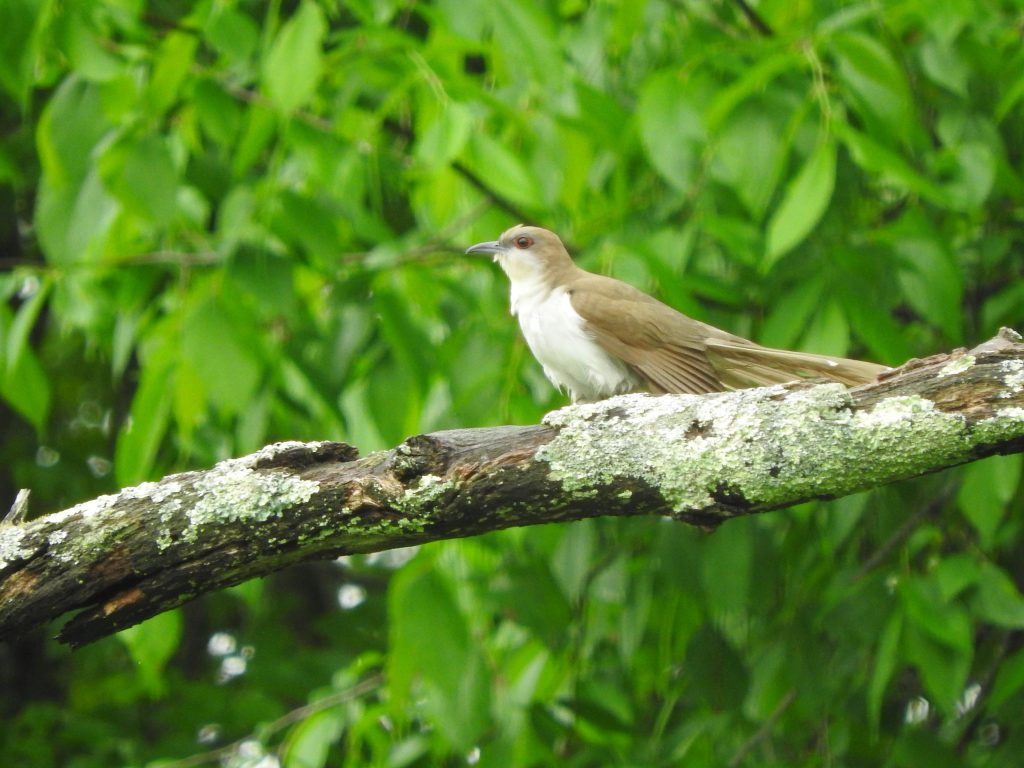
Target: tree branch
point(754, 18)
point(126, 557)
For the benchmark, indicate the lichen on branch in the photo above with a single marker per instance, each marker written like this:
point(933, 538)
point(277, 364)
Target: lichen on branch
point(704, 459)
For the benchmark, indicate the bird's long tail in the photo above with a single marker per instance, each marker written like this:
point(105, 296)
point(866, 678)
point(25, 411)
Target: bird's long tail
point(743, 365)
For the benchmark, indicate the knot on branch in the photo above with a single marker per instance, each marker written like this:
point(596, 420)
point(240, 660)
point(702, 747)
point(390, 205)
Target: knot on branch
point(295, 455)
point(419, 455)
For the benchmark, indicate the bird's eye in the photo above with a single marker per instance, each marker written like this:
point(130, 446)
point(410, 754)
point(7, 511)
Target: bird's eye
point(524, 242)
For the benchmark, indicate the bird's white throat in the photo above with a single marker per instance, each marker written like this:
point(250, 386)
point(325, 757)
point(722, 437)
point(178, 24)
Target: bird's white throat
point(557, 335)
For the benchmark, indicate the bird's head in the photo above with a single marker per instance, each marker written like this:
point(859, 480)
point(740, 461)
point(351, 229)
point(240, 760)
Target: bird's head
point(526, 252)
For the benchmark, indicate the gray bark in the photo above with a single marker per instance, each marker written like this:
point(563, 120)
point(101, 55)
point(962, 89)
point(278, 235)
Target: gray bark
point(122, 558)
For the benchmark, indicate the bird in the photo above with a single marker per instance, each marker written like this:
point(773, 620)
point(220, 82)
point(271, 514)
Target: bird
point(596, 337)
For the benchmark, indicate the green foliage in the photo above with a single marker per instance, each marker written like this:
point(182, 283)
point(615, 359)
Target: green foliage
point(229, 223)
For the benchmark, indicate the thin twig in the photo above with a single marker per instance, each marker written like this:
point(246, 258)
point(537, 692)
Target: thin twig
point(18, 510)
point(755, 18)
point(439, 244)
point(290, 718)
point(903, 532)
point(765, 729)
point(499, 200)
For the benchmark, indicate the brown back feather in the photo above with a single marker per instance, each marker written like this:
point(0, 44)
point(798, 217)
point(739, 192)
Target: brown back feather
point(675, 353)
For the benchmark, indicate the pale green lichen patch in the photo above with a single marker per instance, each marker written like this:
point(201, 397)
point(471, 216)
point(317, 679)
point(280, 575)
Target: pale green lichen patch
point(57, 537)
point(233, 490)
point(164, 495)
point(757, 446)
point(894, 410)
point(86, 508)
point(1007, 424)
point(421, 499)
point(1013, 376)
point(12, 548)
point(959, 365)
point(158, 493)
point(89, 536)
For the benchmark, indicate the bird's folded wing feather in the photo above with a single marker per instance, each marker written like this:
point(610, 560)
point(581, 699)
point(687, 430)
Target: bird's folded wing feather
point(675, 353)
point(664, 347)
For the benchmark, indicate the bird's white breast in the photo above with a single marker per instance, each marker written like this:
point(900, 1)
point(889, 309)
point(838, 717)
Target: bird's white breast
point(557, 337)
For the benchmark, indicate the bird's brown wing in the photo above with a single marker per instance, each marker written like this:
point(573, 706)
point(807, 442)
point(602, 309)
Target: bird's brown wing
point(663, 347)
point(675, 353)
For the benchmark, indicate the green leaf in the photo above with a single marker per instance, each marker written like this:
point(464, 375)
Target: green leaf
point(942, 61)
point(997, 599)
point(571, 561)
point(216, 348)
point(635, 617)
point(308, 743)
point(943, 669)
point(1011, 96)
point(151, 644)
point(845, 518)
point(750, 153)
point(930, 277)
point(141, 173)
point(955, 574)
point(753, 81)
point(430, 640)
point(671, 127)
point(604, 706)
point(84, 45)
point(886, 657)
point(1009, 680)
point(16, 335)
point(727, 569)
point(718, 673)
point(943, 621)
point(23, 382)
point(19, 22)
point(173, 60)
point(142, 434)
point(74, 222)
point(527, 34)
point(408, 340)
point(923, 747)
point(876, 85)
point(886, 339)
point(361, 426)
point(291, 69)
point(219, 114)
point(986, 491)
point(973, 176)
point(805, 201)
point(71, 125)
point(445, 137)
point(306, 222)
point(232, 33)
point(408, 751)
point(374, 12)
point(888, 165)
point(541, 609)
point(790, 315)
point(191, 401)
point(502, 170)
point(829, 332)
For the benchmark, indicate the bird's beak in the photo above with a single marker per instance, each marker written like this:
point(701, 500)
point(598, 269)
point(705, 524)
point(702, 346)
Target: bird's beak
point(489, 247)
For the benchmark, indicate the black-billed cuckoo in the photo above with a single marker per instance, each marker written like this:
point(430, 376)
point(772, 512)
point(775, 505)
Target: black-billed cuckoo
point(597, 337)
